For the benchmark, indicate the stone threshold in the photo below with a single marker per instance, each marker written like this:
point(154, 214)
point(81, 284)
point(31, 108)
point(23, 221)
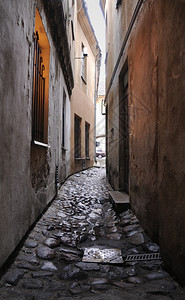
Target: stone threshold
point(120, 201)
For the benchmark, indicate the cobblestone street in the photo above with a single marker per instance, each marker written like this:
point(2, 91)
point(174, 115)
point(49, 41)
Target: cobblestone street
point(49, 264)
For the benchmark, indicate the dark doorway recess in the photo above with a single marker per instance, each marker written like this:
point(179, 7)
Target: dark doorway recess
point(123, 131)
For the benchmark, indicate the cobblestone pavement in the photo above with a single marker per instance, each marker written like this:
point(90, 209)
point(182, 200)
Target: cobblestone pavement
point(49, 265)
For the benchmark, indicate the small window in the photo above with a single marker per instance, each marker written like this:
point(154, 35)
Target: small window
point(87, 130)
point(118, 3)
point(77, 136)
point(72, 31)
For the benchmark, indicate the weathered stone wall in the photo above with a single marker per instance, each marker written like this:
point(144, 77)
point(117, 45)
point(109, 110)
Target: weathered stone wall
point(27, 172)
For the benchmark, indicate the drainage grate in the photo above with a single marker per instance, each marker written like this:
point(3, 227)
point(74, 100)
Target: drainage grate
point(113, 256)
point(136, 257)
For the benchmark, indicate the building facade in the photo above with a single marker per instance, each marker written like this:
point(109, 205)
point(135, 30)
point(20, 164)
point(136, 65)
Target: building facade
point(100, 124)
point(86, 70)
point(145, 88)
point(35, 105)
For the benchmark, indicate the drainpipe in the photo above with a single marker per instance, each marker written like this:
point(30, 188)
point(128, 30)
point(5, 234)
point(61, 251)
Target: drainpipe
point(134, 16)
point(95, 96)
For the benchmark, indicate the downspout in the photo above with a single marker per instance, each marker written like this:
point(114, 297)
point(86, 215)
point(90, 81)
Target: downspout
point(134, 16)
point(95, 96)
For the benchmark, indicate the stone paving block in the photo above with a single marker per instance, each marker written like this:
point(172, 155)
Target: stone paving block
point(33, 284)
point(45, 253)
point(13, 276)
point(82, 217)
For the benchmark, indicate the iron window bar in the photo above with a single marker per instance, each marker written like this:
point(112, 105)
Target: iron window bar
point(38, 93)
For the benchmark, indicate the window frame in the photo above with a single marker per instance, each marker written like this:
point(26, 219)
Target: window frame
point(87, 135)
point(64, 120)
point(40, 92)
point(77, 136)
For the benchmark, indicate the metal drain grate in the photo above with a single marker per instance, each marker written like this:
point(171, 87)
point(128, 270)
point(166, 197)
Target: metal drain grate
point(140, 257)
point(113, 256)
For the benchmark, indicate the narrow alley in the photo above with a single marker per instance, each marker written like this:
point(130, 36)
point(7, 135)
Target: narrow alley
point(80, 249)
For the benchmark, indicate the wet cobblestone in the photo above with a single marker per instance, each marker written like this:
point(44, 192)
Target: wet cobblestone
point(49, 265)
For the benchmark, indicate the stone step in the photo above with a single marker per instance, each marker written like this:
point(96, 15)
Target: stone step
point(120, 201)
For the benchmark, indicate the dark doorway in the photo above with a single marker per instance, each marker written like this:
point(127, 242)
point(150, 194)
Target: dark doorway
point(123, 132)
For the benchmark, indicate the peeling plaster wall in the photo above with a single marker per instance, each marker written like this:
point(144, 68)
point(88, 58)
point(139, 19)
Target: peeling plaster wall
point(27, 173)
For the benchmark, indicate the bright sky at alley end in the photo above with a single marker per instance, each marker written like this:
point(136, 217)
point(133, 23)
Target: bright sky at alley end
point(98, 23)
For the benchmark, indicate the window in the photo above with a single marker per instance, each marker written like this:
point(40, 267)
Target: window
point(63, 119)
point(77, 136)
point(118, 3)
point(40, 82)
point(84, 64)
point(72, 31)
point(87, 129)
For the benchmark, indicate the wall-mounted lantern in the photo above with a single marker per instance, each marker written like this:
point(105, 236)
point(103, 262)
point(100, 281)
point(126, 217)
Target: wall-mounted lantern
point(85, 54)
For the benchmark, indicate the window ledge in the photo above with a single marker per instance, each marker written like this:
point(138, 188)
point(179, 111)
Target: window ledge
point(87, 158)
point(78, 158)
point(41, 144)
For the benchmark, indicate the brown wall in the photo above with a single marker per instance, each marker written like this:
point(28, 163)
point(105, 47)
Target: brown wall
point(157, 89)
point(143, 103)
point(156, 55)
point(171, 94)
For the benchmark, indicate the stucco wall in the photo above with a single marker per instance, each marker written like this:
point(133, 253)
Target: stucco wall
point(143, 103)
point(22, 200)
point(157, 88)
point(82, 106)
point(82, 99)
point(117, 21)
point(156, 115)
point(171, 101)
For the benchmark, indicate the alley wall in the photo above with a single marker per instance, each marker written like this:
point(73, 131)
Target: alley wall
point(156, 87)
point(28, 170)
